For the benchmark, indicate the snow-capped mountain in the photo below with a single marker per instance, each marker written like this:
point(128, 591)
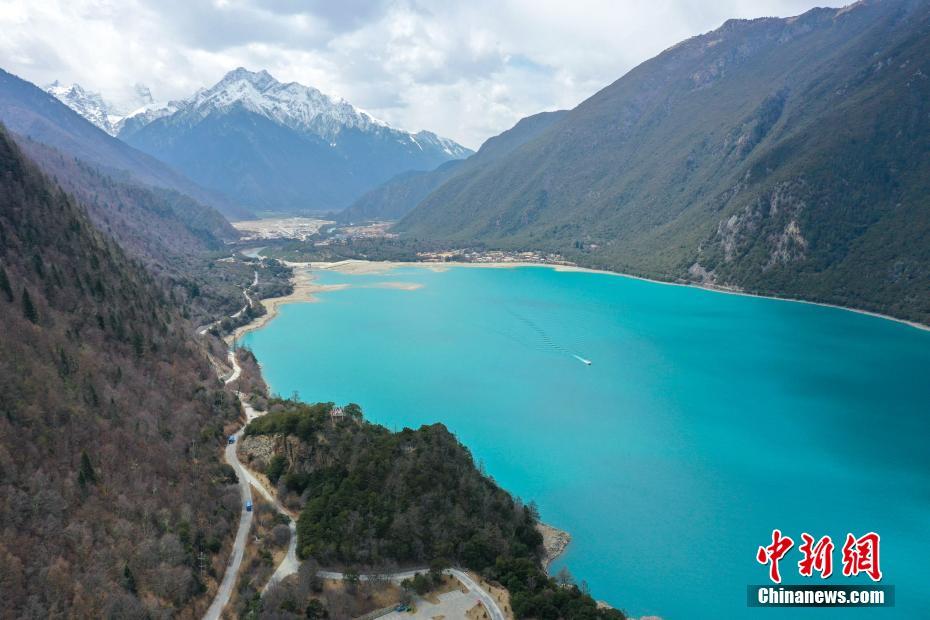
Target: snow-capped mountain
point(139, 118)
point(292, 105)
point(99, 111)
point(281, 146)
point(89, 105)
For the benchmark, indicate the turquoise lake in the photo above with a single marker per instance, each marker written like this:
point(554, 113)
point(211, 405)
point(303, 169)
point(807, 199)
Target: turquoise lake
point(704, 421)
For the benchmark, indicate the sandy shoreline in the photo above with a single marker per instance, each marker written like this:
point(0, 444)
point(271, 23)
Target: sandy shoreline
point(304, 291)
point(361, 267)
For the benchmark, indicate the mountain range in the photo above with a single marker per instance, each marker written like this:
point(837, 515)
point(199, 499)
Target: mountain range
point(788, 157)
point(281, 147)
point(32, 113)
point(778, 156)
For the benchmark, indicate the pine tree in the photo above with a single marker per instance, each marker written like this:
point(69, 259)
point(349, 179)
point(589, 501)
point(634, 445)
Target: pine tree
point(129, 580)
point(5, 285)
point(86, 473)
point(138, 344)
point(29, 310)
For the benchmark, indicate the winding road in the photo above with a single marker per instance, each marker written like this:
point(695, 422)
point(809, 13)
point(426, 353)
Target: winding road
point(290, 563)
point(248, 303)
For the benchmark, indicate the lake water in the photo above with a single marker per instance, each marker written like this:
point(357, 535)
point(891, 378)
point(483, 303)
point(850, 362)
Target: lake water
point(704, 421)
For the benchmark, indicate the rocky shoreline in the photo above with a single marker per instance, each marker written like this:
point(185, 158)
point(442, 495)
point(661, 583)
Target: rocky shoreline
point(555, 541)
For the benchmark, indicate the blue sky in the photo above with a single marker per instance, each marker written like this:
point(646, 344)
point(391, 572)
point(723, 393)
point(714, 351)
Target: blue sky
point(466, 70)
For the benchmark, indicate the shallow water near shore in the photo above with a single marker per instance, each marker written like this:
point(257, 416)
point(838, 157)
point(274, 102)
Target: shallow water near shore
point(703, 422)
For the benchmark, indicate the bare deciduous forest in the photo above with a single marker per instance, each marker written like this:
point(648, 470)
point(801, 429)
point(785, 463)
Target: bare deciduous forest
point(114, 502)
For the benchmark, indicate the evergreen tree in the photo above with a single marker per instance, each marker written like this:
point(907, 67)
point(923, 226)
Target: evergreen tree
point(86, 473)
point(315, 610)
point(29, 310)
point(5, 285)
point(138, 344)
point(129, 580)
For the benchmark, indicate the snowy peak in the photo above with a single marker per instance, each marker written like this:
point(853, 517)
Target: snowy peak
point(300, 108)
point(259, 79)
point(143, 96)
point(293, 105)
point(450, 147)
point(88, 104)
point(102, 113)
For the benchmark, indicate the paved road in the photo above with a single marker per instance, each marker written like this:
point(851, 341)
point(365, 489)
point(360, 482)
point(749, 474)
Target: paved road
point(237, 370)
point(247, 480)
point(289, 564)
point(248, 302)
point(486, 599)
point(245, 519)
point(245, 525)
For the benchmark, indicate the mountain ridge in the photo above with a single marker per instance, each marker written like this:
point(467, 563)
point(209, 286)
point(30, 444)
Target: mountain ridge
point(779, 156)
point(401, 194)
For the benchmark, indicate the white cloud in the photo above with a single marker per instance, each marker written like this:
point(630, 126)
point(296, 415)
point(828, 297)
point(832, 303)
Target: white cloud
point(464, 70)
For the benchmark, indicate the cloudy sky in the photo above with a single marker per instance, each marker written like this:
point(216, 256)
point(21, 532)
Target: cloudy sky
point(466, 70)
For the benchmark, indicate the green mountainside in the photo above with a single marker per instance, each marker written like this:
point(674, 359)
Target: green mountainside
point(397, 197)
point(110, 421)
point(781, 156)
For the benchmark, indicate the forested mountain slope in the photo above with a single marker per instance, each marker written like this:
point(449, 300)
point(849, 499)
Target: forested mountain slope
point(177, 239)
point(110, 418)
point(397, 197)
point(147, 220)
point(781, 156)
point(29, 111)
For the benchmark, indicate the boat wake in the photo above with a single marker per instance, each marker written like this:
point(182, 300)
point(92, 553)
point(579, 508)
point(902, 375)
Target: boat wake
point(547, 340)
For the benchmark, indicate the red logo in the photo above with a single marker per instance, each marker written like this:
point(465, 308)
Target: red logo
point(860, 555)
point(774, 553)
point(817, 557)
